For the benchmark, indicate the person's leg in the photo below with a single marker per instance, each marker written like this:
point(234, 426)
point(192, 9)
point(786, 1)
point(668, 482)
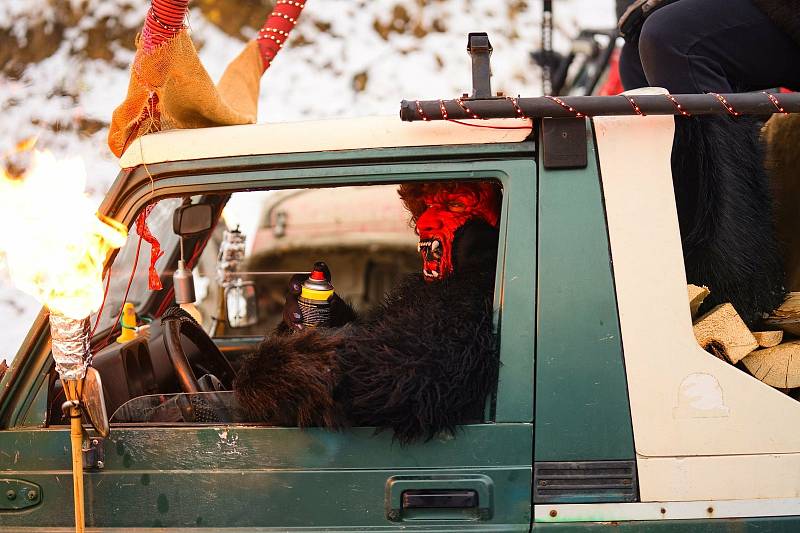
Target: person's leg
point(698, 46)
point(721, 188)
point(725, 213)
point(630, 67)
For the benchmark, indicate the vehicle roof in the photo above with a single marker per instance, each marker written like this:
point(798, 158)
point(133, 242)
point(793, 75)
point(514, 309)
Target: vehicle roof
point(316, 136)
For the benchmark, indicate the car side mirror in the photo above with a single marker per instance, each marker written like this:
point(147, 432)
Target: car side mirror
point(94, 402)
point(241, 303)
point(192, 219)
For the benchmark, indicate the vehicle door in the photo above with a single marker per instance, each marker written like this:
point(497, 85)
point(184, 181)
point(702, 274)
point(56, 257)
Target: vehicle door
point(284, 478)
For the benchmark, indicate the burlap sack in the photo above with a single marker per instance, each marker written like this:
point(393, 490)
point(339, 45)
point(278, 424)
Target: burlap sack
point(169, 88)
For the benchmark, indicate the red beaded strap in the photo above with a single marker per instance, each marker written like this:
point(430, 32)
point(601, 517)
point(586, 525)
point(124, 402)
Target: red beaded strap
point(272, 36)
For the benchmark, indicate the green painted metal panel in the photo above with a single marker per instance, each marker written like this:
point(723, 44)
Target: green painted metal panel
point(780, 524)
point(518, 275)
point(582, 408)
point(251, 476)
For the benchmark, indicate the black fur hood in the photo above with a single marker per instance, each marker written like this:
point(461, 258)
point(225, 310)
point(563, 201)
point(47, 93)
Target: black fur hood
point(784, 13)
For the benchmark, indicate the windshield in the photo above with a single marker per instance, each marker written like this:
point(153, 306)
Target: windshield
point(160, 224)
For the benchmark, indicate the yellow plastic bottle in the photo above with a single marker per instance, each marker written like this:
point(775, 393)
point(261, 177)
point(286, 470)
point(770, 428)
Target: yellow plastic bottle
point(128, 324)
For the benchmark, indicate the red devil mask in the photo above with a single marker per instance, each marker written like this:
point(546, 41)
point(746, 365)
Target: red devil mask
point(440, 210)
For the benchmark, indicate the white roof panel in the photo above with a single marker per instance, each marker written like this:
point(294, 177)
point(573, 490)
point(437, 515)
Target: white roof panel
point(316, 136)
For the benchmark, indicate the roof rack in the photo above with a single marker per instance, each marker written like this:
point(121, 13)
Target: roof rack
point(482, 105)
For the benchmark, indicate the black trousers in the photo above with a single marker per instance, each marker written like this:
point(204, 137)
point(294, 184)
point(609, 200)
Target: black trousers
point(700, 46)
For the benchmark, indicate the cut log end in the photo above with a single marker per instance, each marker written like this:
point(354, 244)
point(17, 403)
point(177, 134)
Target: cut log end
point(696, 297)
point(768, 339)
point(723, 333)
point(778, 367)
point(787, 316)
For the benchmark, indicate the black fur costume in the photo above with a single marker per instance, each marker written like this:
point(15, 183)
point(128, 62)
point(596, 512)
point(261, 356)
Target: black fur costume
point(421, 363)
point(725, 213)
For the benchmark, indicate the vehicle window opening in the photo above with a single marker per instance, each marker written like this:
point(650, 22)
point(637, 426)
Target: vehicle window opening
point(369, 251)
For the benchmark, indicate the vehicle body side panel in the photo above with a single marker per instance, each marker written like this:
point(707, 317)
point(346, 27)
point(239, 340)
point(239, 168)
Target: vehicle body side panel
point(255, 476)
point(688, 407)
point(582, 409)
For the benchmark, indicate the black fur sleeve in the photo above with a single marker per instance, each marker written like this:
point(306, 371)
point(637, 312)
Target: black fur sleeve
point(290, 379)
point(425, 361)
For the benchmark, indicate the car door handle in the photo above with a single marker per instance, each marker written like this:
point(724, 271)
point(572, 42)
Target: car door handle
point(440, 499)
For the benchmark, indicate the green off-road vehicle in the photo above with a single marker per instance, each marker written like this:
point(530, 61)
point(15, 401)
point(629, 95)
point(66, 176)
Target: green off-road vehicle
point(607, 413)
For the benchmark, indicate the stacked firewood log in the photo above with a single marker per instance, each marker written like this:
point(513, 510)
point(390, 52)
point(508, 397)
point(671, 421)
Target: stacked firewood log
point(772, 356)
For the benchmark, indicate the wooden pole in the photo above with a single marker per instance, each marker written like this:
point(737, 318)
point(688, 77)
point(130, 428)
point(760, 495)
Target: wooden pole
point(72, 389)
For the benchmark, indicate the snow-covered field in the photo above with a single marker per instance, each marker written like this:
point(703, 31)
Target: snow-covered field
point(337, 64)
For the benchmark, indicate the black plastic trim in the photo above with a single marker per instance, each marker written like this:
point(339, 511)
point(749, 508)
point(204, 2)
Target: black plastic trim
point(585, 482)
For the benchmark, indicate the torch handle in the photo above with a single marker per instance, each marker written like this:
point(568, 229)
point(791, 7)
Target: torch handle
point(76, 437)
point(73, 390)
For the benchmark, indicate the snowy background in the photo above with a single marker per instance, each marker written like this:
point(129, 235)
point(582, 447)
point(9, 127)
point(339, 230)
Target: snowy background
point(64, 67)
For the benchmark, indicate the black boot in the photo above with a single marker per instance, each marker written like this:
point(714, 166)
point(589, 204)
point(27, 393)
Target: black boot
point(725, 213)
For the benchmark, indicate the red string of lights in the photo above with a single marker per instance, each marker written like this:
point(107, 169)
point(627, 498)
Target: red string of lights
point(566, 106)
point(728, 107)
point(578, 114)
point(775, 102)
point(445, 115)
point(678, 106)
point(634, 105)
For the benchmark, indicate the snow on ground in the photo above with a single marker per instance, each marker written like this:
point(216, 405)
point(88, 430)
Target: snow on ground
point(346, 69)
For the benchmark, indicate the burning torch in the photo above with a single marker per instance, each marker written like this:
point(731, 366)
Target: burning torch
point(59, 259)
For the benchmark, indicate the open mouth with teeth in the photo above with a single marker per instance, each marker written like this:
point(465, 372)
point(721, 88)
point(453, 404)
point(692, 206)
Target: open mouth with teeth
point(431, 251)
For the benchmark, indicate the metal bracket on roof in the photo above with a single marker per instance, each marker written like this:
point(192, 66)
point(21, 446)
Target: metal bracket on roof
point(480, 50)
point(564, 143)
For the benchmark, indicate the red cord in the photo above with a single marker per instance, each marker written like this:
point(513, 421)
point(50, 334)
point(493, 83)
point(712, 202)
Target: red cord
point(127, 290)
point(103, 303)
point(490, 127)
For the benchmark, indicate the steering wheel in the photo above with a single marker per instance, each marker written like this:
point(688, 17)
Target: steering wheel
point(208, 360)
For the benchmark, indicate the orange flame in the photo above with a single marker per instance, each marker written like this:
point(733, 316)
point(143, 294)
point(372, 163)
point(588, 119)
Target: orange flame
point(55, 244)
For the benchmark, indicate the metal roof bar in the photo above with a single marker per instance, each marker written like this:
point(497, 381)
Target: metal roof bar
point(756, 103)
